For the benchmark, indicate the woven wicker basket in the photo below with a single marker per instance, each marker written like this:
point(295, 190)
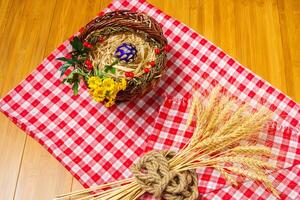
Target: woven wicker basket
point(141, 25)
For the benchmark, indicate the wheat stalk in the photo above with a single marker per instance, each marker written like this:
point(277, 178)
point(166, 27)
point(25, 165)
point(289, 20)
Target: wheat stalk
point(226, 175)
point(252, 150)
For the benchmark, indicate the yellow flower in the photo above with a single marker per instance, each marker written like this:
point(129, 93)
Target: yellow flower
point(91, 91)
point(108, 84)
point(109, 103)
point(105, 89)
point(94, 82)
point(99, 99)
point(117, 87)
point(99, 92)
point(123, 83)
point(113, 94)
point(120, 85)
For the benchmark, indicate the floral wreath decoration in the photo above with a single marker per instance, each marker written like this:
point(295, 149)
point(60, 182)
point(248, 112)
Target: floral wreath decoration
point(118, 62)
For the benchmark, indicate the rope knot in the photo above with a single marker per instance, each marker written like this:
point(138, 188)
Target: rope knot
point(154, 175)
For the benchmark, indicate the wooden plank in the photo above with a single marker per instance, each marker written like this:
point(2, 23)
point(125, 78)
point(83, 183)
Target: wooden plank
point(248, 31)
point(73, 13)
point(76, 185)
point(12, 141)
point(289, 15)
point(17, 61)
point(41, 176)
point(5, 7)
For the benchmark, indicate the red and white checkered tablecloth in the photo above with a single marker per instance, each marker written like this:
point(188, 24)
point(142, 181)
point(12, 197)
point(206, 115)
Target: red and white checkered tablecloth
point(97, 144)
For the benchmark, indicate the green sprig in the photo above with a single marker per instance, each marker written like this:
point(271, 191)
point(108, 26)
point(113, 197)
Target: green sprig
point(64, 68)
point(110, 67)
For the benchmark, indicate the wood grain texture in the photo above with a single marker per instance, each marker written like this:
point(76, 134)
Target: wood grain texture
point(261, 34)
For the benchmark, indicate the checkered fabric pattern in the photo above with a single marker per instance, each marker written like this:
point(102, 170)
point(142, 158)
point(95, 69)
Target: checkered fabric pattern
point(97, 144)
point(170, 133)
point(286, 181)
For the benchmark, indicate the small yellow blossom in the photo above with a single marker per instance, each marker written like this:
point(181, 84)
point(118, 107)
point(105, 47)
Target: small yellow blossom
point(91, 91)
point(94, 82)
point(99, 99)
point(109, 103)
point(117, 87)
point(123, 83)
point(99, 92)
point(113, 94)
point(105, 89)
point(108, 84)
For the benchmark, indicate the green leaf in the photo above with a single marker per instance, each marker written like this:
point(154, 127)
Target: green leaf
point(77, 44)
point(64, 80)
point(85, 50)
point(71, 75)
point(69, 61)
point(98, 73)
point(75, 87)
point(108, 68)
point(63, 69)
point(62, 59)
point(113, 70)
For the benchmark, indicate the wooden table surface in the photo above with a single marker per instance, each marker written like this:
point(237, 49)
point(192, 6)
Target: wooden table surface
point(263, 35)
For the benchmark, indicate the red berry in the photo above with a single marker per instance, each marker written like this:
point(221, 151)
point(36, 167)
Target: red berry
point(90, 67)
point(87, 44)
point(69, 56)
point(71, 38)
point(157, 51)
point(152, 63)
point(81, 30)
point(129, 74)
point(146, 70)
point(101, 39)
point(167, 48)
point(89, 64)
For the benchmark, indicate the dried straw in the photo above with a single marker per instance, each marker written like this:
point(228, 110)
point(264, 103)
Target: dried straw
point(103, 53)
point(221, 125)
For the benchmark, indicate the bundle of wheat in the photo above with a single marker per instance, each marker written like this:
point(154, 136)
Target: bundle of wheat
point(221, 125)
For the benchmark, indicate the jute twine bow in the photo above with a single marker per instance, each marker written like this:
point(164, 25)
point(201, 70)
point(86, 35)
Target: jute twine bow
point(154, 175)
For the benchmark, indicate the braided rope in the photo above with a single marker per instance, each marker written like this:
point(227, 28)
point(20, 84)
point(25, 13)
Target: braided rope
point(153, 174)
